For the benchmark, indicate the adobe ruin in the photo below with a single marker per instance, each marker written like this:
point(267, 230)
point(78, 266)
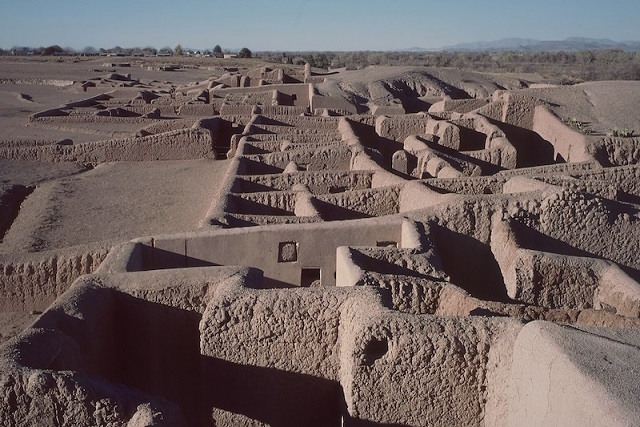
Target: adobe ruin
point(423, 254)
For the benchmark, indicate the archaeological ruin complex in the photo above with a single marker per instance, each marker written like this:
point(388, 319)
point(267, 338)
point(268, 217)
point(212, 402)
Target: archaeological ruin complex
point(381, 251)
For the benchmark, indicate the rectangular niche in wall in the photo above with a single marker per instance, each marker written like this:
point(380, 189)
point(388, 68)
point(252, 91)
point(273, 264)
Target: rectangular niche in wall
point(310, 277)
point(387, 244)
point(288, 252)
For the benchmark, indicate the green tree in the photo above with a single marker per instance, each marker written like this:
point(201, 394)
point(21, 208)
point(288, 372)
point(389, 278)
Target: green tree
point(217, 50)
point(150, 51)
point(244, 53)
point(53, 50)
point(178, 50)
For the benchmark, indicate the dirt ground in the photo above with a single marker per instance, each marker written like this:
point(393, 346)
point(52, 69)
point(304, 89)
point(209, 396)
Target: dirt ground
point(115, 201)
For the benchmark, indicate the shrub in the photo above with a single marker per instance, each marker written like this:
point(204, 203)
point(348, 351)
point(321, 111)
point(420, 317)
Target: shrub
point(244, 53)
point(620, 132)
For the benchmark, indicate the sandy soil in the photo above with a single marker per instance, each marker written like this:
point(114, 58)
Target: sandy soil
point(602, 105)
point(115, 201)
point(14, 322)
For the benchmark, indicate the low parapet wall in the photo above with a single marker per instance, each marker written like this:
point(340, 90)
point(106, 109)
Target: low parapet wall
point(398, 128)
point(555, 281)
point(323, 158)
point(615, 151)
point(300, 90)
point(359, 203)
point(569, 145)
point(318, 182)
point(182, 144)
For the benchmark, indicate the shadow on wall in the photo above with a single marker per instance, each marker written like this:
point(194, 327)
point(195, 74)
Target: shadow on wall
point(330, 212)
point(268, 395)
point(486, 167)
point(221, 132)
point(124, 340)
point(160, 259)
point(382, 266)
point(530, 238)
point(247, 186)
point(254, 167)
point(471, 139)
point(415, 105)
point(470, 264)
point(158, 351)
point(532, 149)
point(354, 422)
point(371, 139)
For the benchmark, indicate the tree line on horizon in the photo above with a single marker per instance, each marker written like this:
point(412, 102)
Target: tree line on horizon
point(585, 65)
point(56, 50)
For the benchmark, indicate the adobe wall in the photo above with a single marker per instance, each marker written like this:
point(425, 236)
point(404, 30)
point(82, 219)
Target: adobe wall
point(542, 278)
point(595, 222)
point(448, 359)
point(360, 203)
point(198, 110)
point(279, 110)
point(418, 195)
point(183, 144)
point(332, 103)
point(59, 391)
point(301, 91)
point(398, 128)
point(578, 376)
point(571, 145)
point(168, 126)
point(334, 158)
point(84, 119)
point(277, 353)
point(125, 344)
point(558, 168)
point(318, 182)
point(32, 282)
point(394, 109)
point(315, 246)
point(615, 151)
point(459, 105)
point(600, 188)
point(263, 203)
point(469, 185)
point(624, 178)
point(499, 152)
point(237, 110)
point(299, 122)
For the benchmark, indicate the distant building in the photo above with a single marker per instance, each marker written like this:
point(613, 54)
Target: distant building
point(21, 51)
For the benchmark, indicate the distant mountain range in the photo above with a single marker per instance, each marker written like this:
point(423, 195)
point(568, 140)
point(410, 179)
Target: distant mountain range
point(572, 44)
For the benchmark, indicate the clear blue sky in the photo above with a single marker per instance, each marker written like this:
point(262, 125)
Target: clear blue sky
point(308, 25)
